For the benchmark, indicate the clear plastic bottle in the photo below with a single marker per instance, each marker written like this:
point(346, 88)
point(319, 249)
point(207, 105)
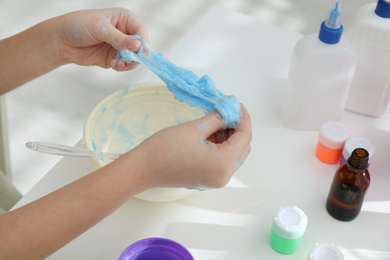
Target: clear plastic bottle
point(349, 187)
point(369, 33)
point(320, 75)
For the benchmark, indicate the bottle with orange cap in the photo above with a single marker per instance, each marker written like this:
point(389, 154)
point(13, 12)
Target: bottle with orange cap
point(331, 141)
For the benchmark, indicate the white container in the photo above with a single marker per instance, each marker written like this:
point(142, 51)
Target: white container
point(319, 79)
point(369, 33)
point(325, 251)
point(288, 227)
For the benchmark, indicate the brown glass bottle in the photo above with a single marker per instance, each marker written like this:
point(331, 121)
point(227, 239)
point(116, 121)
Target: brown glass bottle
point(349, 186)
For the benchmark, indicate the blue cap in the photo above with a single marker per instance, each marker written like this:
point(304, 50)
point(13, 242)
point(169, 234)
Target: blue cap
point(383, 9)
point(332, 29)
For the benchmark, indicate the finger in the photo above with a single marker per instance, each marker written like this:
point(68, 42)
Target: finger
point(131, 25)
point(117, 64)
point(120, 65)
point(245, 153)
point(137, 28)
point(128, 24)
point(243, 132)
point(245, 122)
point(210, 124)
point(242, 158)
point(120, 41)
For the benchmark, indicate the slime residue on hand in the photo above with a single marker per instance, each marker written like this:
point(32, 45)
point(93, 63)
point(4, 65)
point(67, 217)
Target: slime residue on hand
point(186, 85)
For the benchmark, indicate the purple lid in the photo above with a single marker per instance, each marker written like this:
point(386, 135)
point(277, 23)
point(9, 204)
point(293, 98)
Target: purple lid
point(156, 248)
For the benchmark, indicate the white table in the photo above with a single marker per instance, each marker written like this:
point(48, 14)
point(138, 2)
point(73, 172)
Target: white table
point(249, 59)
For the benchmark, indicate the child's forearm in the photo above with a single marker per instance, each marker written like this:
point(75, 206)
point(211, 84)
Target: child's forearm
point(40, 228)
point(28, 55)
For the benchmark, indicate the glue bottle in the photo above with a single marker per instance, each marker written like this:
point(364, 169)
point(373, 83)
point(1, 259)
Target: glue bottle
point(320, 76)
point(349, 187)
point(369, 33)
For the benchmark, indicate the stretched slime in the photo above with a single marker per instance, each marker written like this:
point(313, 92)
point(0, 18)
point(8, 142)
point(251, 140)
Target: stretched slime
point(186, 85)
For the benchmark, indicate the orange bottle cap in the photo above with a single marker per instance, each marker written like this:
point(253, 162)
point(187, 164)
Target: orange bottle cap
point(331, 141)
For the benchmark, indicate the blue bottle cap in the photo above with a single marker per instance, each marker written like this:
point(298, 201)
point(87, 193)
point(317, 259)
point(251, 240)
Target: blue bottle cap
point(383, 9)
point(332, 29)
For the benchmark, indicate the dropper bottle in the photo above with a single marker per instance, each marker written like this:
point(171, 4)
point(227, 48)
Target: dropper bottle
point(320, 75)
point(349, 186)
point(332, 29)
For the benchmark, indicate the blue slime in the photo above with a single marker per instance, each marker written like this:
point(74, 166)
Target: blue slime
point(186, 85)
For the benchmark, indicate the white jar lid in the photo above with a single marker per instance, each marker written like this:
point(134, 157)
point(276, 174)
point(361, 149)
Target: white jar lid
point(333, 135)
point(325, 251)
point(358, 142)
point(289, 222)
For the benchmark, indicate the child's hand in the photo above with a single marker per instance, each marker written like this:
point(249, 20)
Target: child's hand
point(92, 37)
point(185, 156)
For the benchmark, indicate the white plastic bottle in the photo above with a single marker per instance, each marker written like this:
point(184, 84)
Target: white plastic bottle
point(320, 75)
point(369, 33)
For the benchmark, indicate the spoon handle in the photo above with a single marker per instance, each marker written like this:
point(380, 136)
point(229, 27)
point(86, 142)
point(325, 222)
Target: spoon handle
point(63, 150)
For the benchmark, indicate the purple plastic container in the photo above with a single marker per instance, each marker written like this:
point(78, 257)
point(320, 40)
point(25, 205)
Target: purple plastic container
point(156, 248)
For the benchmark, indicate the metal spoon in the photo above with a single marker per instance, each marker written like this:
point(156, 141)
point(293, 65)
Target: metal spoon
point(64, 150)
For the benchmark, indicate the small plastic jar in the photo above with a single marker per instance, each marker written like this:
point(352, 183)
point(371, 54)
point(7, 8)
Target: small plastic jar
point(288, 227)
point(357, 142)
point(331, 142)
point(325, 251)
point(156, 248)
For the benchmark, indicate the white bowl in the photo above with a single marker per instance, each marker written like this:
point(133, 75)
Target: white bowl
point(125, 118)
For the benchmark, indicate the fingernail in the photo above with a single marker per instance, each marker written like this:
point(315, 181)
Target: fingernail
point(218, 115)
point(133, 45)
point(118, 64)
point(113, 63)
point(133, 65)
